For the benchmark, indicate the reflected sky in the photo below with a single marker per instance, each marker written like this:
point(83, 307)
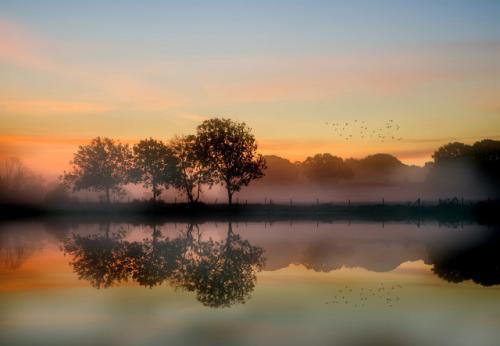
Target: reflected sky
point(335, 283)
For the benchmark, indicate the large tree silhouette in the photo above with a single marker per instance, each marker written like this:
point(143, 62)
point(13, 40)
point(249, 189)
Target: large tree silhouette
point(103, 165)
point(229, 150)
point(192, 173)
point(154, 165)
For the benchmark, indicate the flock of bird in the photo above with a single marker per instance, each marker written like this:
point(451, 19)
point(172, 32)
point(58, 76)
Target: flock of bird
point(387, 294)
point(389, 131)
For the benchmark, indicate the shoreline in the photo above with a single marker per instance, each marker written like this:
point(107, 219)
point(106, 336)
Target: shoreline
point(483, 212)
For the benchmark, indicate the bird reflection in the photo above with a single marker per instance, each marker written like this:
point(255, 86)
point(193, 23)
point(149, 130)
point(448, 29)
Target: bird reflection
point(220, 273)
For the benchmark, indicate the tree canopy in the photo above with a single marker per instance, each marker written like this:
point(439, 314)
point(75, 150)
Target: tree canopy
point(323, 168)
point(103, 165)
point(154, 164)
point(191, 172)
point(229, 150)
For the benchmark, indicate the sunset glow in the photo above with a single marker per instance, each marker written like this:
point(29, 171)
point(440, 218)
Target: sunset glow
point(437, 75)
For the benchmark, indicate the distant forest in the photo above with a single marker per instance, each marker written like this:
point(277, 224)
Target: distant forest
point(222, 158)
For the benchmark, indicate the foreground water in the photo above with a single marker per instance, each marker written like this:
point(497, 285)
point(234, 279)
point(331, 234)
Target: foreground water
point(64, 283)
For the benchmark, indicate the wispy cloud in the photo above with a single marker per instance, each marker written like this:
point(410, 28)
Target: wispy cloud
point(118, 91)
point(41, 106)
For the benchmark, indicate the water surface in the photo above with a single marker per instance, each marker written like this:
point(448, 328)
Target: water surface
point(249, 284)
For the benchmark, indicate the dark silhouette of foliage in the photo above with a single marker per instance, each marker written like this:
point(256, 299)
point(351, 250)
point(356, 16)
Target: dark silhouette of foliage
point(451, 151)
point(99, 259)
point(154, 165)
point(375, 164)
point(191, 172)
point(325, 168)
point(486, 154)
point(228, 149)
point(480, 162)
point(103, 165)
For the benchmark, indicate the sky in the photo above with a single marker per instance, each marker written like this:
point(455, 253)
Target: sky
point(71, 71)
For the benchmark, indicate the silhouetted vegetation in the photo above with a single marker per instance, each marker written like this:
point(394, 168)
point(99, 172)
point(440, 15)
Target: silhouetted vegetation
point(325, 168)
point(224, 152)
point(192, 173)
point(154, 165)
point(458, 164)
point(229, 150)
point(103, 165)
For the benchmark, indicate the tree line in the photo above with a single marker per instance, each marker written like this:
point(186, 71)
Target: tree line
point(222, 152)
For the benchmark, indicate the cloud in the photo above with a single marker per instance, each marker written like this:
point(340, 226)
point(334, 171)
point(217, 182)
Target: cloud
point(41, 106)
point(325, 77)
point(121, 91)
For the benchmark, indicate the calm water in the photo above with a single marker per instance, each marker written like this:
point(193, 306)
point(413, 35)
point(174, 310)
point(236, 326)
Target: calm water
point(64, 283)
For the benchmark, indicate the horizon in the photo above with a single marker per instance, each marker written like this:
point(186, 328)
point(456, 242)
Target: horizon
point(68, 147)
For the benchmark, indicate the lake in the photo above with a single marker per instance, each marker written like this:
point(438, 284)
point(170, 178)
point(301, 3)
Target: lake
point(68, 282)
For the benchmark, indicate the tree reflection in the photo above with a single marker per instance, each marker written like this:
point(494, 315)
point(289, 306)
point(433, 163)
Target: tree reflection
point(98, 258)
point(16, 247)
point(152, 261)
point(221, 273)
point(477, 261)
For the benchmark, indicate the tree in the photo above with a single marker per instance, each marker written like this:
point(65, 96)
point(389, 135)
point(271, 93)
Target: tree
point(103, 165)
point(325, 168)
point(191, 173)
point(154, 165)
point(228, 149)
point(451, 151)
point(17, 182)
point(280, 171)
point(486, 155)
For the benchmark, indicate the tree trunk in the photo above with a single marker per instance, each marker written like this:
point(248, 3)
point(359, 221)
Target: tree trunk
point(108, 200)
point(154, 191)
point(229, 196)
